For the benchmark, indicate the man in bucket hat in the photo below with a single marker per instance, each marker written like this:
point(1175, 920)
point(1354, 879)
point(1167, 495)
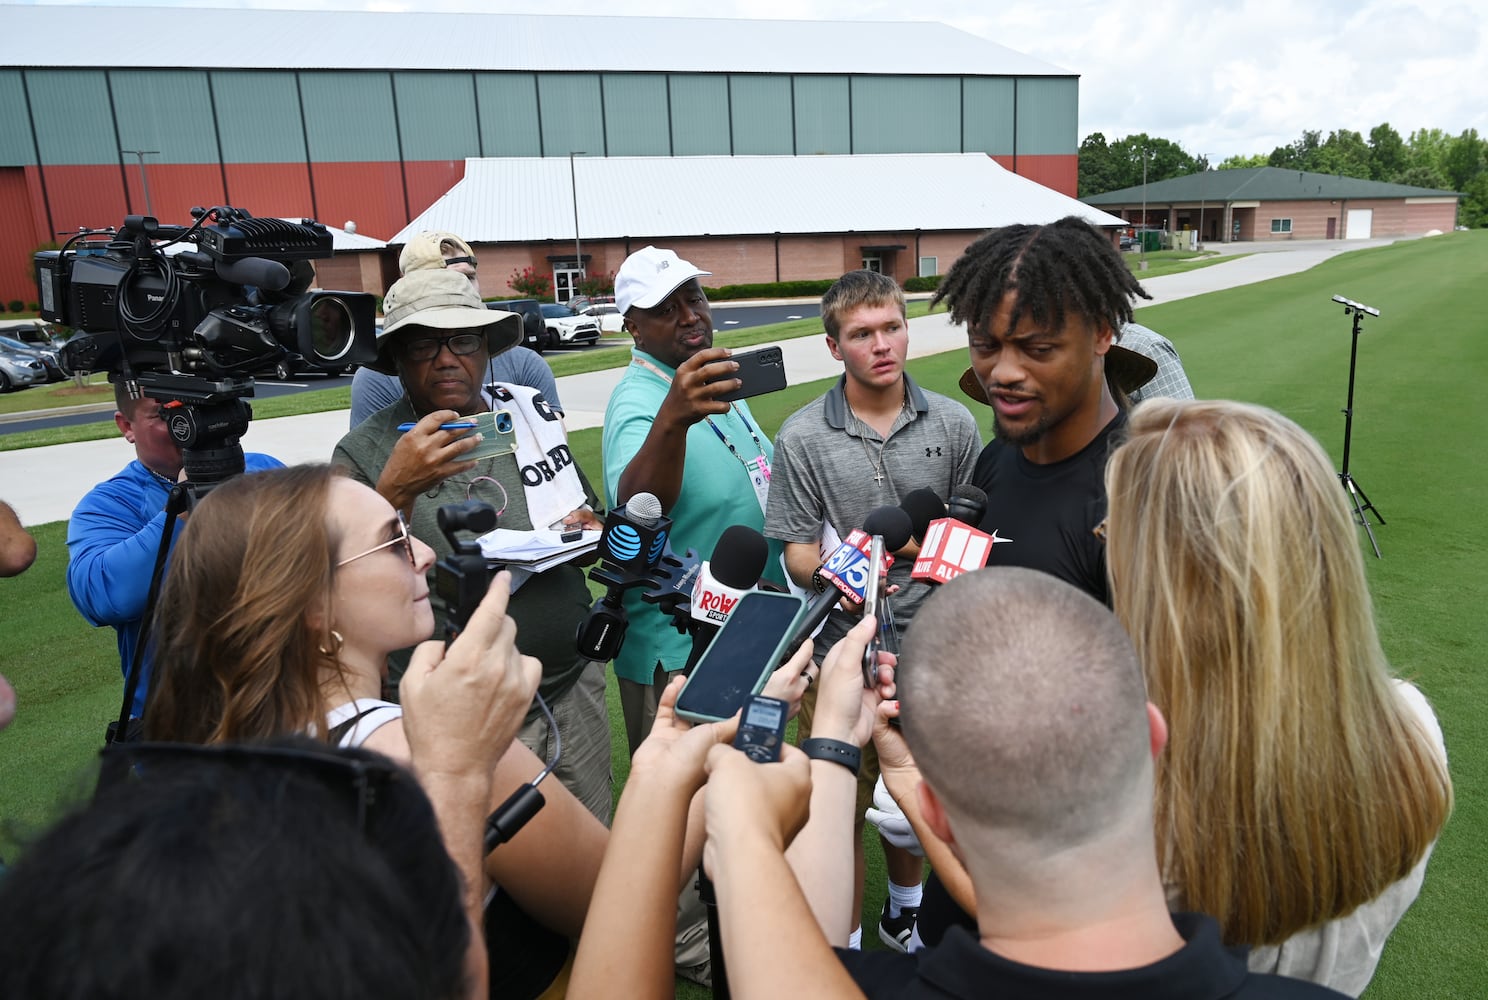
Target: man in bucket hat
point(437, 338)
point(371, 390)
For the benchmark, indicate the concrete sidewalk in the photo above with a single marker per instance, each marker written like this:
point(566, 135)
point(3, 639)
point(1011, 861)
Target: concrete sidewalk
point(44, 484)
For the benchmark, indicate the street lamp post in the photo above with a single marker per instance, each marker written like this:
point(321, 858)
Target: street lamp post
point(1203, 184)
point(574, 189)
point(1143, 237)
point(144, 177)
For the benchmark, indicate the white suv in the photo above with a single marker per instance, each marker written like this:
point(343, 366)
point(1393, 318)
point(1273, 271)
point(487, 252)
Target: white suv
point(565, 327)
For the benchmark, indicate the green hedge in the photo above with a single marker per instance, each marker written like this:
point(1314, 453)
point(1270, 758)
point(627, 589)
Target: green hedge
point(928, 284)
point(768, 290)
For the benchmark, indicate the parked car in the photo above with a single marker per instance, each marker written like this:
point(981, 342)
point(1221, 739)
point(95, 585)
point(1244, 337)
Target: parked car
point(568, 326)
point(534, 330)
point(19, 371)
point(46, 355)
point(601, 309)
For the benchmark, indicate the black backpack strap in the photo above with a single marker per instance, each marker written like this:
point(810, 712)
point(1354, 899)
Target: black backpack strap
point(338, 732)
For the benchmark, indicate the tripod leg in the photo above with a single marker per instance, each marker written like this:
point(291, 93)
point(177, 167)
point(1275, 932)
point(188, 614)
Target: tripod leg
point(1365, 497)
point(1354, 495)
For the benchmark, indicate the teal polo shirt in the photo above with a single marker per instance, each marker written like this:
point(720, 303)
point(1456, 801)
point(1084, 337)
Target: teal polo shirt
point(716, 493)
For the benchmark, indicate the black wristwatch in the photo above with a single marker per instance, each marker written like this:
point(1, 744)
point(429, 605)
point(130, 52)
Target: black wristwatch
point(818, 581)
point(836, 751)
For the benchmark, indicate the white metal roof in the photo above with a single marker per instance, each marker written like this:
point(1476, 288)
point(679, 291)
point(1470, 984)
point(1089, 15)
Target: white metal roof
point(522, 199)
point(245, 38)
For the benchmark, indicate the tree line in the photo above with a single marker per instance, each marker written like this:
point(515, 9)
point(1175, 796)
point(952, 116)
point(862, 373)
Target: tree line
point(1427, 158)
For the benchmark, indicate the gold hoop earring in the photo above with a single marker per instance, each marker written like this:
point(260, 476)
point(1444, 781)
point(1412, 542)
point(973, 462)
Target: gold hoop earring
point(336, 643)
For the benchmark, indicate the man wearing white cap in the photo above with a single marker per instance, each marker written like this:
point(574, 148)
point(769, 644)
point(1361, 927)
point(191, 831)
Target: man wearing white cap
point(707, 461)
point(437, 338)
point(372, 390)
point(667, 433)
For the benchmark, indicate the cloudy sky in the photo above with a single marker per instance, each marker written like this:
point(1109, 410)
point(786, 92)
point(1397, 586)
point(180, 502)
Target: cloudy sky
point(1234, 76)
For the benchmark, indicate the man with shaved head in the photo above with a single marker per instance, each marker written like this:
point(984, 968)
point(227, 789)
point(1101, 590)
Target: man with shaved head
point(1027, 752)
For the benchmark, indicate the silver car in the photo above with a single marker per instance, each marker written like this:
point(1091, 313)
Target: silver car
point(18, 372)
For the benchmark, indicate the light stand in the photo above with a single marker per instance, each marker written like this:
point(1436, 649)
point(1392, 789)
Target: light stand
point(1356, 494)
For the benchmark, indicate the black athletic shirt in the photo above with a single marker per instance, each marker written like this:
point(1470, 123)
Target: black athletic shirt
point(1043, 517)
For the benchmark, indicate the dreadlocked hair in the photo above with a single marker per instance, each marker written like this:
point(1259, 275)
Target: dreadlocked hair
point(1065, 266)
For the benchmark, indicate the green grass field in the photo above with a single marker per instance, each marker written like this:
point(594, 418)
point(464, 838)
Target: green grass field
point(1418, 450)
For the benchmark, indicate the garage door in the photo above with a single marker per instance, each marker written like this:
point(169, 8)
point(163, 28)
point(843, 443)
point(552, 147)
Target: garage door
point(1360, 222)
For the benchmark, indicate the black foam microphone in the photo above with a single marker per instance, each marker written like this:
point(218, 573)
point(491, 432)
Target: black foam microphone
point(922, 506)
point(968, 504)
point(737, 564)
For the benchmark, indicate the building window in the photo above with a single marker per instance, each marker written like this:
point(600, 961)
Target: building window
point(873, 262)
point(929, 267)
point(1281, 225)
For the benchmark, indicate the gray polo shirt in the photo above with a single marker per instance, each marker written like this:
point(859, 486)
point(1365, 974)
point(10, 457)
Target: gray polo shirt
point(825, 469)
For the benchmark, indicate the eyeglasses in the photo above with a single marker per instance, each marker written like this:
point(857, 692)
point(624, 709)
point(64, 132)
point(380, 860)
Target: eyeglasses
point(449, 261)
point(362, 780)
point(428, 348)
point(404, 538)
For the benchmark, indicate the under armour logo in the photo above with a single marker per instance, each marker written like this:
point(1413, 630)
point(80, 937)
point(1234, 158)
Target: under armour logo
point(931, 451)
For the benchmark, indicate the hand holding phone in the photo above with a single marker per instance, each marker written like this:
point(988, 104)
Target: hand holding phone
point(760, 371)
point(740, 658)
point(762, 729)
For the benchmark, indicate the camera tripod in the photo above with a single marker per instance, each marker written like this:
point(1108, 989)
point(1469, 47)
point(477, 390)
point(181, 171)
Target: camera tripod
point(1357, 496)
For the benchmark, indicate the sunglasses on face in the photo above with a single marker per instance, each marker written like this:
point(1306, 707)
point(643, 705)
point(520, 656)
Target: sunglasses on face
point(428, 348)
point(404, 538)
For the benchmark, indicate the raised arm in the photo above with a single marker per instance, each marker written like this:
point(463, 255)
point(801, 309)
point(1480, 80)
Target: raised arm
point(626, 949)
point(657, 462)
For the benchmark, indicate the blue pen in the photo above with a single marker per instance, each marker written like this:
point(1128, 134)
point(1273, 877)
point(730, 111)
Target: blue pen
point(464, 425)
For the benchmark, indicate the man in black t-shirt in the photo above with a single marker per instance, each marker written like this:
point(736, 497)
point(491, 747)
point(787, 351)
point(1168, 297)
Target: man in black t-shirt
point(1042, 306)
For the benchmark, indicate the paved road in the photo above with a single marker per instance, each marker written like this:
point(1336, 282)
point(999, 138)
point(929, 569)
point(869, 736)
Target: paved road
point(726, 317)
point(44, 484)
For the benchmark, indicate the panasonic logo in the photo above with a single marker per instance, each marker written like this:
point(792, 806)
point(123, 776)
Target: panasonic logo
point(154, 298)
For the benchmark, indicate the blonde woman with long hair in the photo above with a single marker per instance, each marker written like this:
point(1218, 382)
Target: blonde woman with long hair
point(1303, 785)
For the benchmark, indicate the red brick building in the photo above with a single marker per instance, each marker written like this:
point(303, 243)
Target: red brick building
point(1272, 203)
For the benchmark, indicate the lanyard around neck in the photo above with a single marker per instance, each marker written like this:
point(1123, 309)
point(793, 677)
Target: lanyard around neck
point(648, 366)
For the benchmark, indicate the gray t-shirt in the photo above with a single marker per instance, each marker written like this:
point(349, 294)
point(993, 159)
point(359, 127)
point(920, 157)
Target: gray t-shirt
point(826, 467)
point(372, 390)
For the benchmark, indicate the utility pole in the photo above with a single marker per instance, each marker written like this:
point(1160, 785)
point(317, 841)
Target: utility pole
point(574, 188)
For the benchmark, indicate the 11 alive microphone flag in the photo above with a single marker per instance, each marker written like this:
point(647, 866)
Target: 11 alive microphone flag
point(951, 548)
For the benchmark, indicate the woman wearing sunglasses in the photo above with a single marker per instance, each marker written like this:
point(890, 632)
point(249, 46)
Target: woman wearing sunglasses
point(1303, 786)
point(286, 593)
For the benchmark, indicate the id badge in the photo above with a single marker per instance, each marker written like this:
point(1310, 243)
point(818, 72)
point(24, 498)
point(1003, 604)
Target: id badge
point(759, 478)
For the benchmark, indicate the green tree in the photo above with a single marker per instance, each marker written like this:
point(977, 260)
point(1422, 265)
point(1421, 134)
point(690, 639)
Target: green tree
point(1301, 154)
point(1463, 159)
point(1427, 148)
point(1098, 172)
point(1387, 153)
point(1343, 154)
point(1473, 211)
point(1422, 177)
point(1238, 162)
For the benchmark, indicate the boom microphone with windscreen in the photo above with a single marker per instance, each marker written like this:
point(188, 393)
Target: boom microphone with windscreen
point(922, 506)
point(968, 504)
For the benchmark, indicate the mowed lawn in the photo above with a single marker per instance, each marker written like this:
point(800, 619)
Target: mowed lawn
point(1418, 450)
